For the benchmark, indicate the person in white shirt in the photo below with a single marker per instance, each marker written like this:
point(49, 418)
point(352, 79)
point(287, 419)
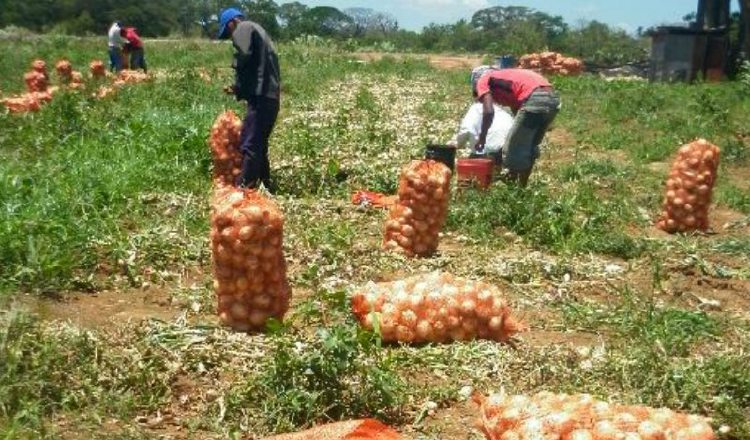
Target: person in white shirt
point(116, 41)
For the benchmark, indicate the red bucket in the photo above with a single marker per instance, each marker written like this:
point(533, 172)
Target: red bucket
point(474, 171)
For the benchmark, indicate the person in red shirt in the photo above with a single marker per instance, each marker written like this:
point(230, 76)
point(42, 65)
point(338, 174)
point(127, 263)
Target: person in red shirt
point(135, 49)
point(534, 104)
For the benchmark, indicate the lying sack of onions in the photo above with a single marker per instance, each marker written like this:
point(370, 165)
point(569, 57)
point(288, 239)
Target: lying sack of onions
point(28, 102)
point(224, 142)
point(690, 187)
point(414, 223)
point(249, 267)
point(367, 429)
point(434, 308)
point(581, 417)
point(35, 81)
point(97, 69)
point(64, 70)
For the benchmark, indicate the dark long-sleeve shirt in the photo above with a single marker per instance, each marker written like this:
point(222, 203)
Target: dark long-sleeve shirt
point(255, 62)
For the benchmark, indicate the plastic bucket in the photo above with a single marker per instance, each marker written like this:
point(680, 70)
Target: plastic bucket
point(445, 154)
point(475, 171)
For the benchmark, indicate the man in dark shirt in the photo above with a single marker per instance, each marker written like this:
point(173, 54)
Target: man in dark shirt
point(257, 81)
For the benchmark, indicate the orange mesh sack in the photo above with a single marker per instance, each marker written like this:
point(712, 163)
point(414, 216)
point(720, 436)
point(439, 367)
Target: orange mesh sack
point(436, 307)
point(40, 66)
point(97, 69)
point(414, 223)
point(367, 429)
point(581, 417)
point(225, 143)
point(249, 267)
point(689, 188)
point(28, 102)
point(35, 81)
point(64, 70)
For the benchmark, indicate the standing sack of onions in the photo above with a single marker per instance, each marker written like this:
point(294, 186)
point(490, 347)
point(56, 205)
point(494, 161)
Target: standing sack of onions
point(414, 223)
point(35, 81)
point(689, 188)
point(434, 308)
point(581, 417)
point(249, 267)
point(224, 142)
point(64, 70)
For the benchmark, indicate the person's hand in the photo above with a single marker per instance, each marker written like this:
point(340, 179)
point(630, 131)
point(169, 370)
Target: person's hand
point(479, 147)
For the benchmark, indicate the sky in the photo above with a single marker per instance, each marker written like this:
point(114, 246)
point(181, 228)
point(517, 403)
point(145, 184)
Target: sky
point(626, 14)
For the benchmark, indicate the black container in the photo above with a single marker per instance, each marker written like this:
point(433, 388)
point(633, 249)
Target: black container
point(445, 154)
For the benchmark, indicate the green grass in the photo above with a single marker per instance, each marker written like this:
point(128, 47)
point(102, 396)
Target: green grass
point(113, 195)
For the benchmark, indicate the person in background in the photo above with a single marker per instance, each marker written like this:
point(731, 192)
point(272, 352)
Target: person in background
point(134, 48)
point(115, 42)
point(257, 81)
point(534, 104)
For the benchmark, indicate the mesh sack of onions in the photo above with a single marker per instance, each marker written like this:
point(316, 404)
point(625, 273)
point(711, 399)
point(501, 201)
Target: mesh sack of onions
point(414, 223)
point(64, 70)
point(28, 102)
point(689, 188)
point(249, 267)
point(224, 143)
point(35, 81)
point(436, 307)
point(367, 429)
point(76, 80)
point(581, 417)
point(97, 69)
point(41, 67)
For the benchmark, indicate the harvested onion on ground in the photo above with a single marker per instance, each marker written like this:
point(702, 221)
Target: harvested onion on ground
point(581, 417)
point(414, 223)
point(690, 187)
point(249, 267)
point(436, 307)
point(224, 142)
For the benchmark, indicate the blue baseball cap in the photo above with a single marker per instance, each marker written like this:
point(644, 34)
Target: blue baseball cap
point(225, 17)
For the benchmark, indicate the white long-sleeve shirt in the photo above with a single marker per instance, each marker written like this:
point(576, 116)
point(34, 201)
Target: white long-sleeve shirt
point(471, 127)
point(115, 39)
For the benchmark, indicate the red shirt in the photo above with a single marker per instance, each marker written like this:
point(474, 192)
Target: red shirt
point(510, 87)
point(133, 38)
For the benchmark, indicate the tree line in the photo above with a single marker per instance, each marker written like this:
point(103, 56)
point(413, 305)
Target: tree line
point(499, 30)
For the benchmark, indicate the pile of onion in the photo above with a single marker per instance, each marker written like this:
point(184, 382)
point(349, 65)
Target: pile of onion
point(64, 71)
point(436, 307)
point(224, 142)
point(414, 223)
point(551, 63)
point(690, 187)
point(97, 69)
point(35, 81)
point(249, 267)
point(581, 417)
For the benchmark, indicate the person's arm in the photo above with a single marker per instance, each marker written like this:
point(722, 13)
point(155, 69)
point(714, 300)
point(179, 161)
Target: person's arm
point(242, 39)
point(488, 115)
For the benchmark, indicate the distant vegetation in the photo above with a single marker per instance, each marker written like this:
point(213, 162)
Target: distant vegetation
point(496, 30)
